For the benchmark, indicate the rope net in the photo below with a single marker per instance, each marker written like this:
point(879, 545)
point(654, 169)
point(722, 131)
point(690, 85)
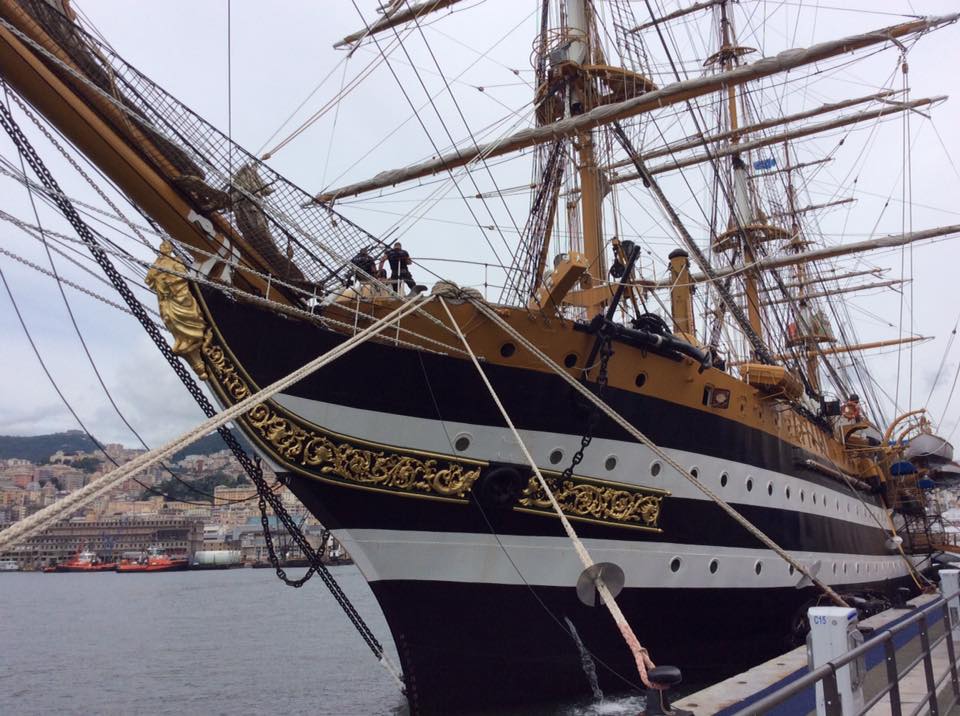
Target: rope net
point(300, 240)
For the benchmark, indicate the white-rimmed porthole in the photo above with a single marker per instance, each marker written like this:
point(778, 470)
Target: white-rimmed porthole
point(556, 455)
point(749, 484)
point(610, 463)
point(714, 566)
point(723, 479)
point(462, 442)
point(786, 492)
point(757, 567)
point(695, 473)
point(675, 564)
point(655, 468)
point(770, 489)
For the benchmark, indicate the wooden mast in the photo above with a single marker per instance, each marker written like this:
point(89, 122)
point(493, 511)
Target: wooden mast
point(739, 203)
point(591, 196)
point(796, 243)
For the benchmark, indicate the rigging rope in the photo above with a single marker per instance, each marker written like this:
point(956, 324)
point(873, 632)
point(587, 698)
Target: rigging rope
point(42, 519)
point(640, 654)
point(657, 450)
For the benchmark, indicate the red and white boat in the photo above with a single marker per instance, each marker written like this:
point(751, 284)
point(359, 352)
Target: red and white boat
point(155, 559)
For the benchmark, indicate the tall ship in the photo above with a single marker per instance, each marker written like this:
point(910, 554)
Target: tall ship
point(731, 461)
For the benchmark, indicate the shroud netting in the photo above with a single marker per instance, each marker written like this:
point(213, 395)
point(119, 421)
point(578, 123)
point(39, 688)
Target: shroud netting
point(293, 233)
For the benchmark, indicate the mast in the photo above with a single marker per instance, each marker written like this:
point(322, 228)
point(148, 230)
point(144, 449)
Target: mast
point(741, 212)
point(591, 196)
point(796, 243)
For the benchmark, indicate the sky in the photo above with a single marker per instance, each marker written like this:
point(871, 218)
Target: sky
point(282, 67)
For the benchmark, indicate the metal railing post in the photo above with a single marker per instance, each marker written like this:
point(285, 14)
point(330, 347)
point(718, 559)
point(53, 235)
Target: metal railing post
point(948, 622)
point(928, 666)
point(893, 676)
point(831, 695)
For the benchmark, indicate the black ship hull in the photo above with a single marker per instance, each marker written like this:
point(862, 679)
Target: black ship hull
point(477, 592)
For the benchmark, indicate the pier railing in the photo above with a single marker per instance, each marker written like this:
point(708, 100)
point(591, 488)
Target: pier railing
point(925, 619)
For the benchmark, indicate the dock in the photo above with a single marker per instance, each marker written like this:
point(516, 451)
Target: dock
point(907, 665)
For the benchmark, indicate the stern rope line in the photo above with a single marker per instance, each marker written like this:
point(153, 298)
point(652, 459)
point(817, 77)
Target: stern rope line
point(640, 654)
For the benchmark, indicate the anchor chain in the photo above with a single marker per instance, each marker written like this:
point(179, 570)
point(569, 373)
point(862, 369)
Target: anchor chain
point(253, 468)
point(605, 351)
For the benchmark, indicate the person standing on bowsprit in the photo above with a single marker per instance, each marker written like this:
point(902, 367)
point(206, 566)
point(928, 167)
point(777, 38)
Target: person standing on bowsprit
point(399, 261)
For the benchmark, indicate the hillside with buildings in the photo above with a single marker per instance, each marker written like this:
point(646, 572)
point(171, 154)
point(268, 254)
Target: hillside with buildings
point(200, 502)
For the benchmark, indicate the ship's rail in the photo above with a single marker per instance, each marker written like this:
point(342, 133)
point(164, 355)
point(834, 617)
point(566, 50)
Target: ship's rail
point(301, 240)
point(939, 613)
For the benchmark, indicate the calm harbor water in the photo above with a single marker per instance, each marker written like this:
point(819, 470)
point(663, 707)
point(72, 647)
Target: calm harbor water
point(222, 642)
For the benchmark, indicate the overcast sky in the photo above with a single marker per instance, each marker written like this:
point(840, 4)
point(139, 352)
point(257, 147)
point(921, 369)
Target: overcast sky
point(282, 50)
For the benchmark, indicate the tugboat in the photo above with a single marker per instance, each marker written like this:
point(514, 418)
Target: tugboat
point(85, 561)
point(154, 559)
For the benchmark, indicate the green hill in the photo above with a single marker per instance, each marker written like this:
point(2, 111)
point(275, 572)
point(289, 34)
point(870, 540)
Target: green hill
point(38, 448)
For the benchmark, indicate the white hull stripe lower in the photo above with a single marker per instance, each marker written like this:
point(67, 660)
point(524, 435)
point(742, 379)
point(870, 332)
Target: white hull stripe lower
point(634, 464)
point(551, 561)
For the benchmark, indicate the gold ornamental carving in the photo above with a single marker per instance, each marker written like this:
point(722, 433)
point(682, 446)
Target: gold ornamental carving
point(605, 503)
point(336, 459)
point(331, 457)
point(178, 307)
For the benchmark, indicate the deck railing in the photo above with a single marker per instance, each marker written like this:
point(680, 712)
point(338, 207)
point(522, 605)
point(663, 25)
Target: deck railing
point(924, 618)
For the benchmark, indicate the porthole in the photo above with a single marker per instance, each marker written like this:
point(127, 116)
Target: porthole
point(610, 463)
point(714, 566)
point(507, 350)
point(694, 473)
point(461, 443)
point(844, 567)
point(758, 567)
point(838, 504)
point(749, 484)
point(556, 456)
point(655, 469)
point(801, 496)
point(640, 379)
point(770, 489)
point(791, 569)
point(858, 568)
point(834, 567)
point(786, 491)
point(848, 507)
point(570, 360)
point(723, 479)
point(675, 564)
point(813, 496)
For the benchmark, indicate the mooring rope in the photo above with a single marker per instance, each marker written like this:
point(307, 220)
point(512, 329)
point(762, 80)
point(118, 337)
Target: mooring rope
point(43, 519)
point(658, 451)
point(640, 654)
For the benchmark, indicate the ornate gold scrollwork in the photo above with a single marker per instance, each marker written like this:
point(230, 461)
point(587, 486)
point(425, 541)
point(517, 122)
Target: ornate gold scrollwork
point(331, 457)
point(606, 503)
point(178, 307)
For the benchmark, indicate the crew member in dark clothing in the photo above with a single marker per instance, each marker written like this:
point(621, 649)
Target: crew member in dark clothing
point(366, 266)
point(399, 261)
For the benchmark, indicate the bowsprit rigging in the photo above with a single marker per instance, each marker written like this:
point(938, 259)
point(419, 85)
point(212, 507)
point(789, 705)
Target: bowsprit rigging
point(725, 467)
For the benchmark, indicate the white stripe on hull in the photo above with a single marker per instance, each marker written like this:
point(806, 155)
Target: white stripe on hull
point(745, 484)
point(550, 561)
